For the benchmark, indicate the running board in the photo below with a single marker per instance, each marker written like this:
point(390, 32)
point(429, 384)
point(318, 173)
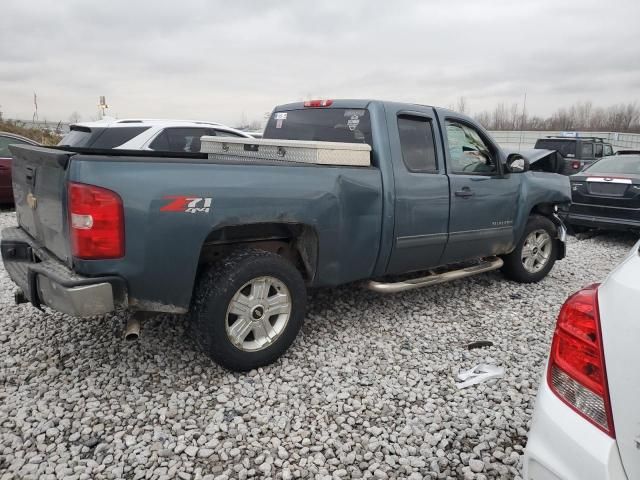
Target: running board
point(488, 264)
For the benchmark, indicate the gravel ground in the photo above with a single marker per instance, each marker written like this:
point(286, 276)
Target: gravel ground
point(367, 390)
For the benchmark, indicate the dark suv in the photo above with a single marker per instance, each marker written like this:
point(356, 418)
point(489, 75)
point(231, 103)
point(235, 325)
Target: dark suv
point(578, 152)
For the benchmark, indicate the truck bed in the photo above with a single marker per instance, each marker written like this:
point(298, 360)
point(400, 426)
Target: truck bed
point(341, 204)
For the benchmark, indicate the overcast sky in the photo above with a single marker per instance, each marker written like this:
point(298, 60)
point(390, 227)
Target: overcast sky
point(222, 60)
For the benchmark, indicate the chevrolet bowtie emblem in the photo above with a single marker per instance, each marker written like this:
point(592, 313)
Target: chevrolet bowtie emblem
point(32, 201)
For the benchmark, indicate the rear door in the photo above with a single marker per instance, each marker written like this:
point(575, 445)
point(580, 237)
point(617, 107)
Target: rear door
point(39, 180)
point(619, 304)
point(421, 190)
point(483, 198)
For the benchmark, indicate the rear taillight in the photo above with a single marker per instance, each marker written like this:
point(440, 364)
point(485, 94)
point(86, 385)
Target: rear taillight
point(318, 103)
point(577, 371)
point(96, 222)
point(575, 165)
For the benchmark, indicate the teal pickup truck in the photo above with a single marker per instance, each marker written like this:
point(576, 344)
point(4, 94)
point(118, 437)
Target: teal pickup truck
point(394, 196)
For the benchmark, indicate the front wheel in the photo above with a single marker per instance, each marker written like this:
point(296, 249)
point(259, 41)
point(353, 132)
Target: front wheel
point(535, 253)
point(248, 309)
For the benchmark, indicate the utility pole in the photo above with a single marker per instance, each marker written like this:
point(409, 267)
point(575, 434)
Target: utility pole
point(524, 117)
point(102, 105)
point(35, 111)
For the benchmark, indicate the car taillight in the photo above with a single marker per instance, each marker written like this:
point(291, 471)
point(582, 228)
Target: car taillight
point(577, 373)
point(96, 222)
point(318, 103)
point(575, 164)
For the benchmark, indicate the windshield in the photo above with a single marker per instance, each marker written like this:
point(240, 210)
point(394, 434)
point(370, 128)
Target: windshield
point(627, 164)
point(564, 147)
point(345, 125)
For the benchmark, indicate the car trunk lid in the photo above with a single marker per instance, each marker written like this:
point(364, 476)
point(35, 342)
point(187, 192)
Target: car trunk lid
point(615, 196)
point(619, 302)
point(39, 183)
point(608, 186)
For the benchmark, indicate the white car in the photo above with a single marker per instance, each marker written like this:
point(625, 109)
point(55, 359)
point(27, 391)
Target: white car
point(586, 423)
point(180, 136)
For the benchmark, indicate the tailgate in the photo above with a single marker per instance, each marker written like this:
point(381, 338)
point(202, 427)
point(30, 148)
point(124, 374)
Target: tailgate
point(39, 180)
point(619, 302)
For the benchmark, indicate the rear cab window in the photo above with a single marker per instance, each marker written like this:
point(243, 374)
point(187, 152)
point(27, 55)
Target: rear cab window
point(345, 125)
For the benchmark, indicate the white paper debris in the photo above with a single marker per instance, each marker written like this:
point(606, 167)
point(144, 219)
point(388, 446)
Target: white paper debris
point(478, 374)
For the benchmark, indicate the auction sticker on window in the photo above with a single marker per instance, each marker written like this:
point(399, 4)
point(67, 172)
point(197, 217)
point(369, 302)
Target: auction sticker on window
point(353, 118)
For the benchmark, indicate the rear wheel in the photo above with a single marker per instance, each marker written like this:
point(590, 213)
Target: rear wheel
point(535, 254)
point(248, 309)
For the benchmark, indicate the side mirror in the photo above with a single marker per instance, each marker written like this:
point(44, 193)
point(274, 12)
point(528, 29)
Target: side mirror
point(516, 163)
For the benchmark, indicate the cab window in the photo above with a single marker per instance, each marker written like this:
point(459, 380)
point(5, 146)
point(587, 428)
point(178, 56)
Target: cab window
point(416, 143)
point(599, 150)
point(468, 152)
point(587, 150)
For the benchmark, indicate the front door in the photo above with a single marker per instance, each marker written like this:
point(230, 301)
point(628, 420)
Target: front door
point(483, 198)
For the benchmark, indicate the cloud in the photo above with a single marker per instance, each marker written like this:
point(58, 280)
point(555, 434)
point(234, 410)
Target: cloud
point(222, 61)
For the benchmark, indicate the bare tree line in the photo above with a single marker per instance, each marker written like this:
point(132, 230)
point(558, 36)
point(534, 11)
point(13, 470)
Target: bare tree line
point(582, 116)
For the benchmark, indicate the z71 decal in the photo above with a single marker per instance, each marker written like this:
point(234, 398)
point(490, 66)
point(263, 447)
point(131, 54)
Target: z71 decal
point(187, 204)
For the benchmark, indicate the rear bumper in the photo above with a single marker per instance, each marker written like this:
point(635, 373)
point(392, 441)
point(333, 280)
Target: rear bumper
point(44, 280)
point(595, 221)
point(563, 445)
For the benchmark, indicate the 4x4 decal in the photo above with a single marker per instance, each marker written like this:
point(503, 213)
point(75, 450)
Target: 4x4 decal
point(187, 204)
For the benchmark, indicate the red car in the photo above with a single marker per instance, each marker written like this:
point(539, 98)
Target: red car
point(6, 139)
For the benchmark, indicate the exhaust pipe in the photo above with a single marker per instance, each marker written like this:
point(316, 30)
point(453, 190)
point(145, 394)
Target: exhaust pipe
point(132, 328)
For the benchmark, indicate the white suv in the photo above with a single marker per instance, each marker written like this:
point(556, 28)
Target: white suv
point(180, 136)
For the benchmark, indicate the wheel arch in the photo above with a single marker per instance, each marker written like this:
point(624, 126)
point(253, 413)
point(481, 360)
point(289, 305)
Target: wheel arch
point(296, 242)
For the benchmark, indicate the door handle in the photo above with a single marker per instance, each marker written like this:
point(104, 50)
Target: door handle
point(464, 193)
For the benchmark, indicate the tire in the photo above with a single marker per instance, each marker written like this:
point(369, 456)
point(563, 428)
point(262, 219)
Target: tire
point(538, 228)
point(258, 285)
